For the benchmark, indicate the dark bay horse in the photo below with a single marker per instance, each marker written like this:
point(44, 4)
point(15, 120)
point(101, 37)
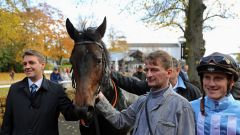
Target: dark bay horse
point(91, 73)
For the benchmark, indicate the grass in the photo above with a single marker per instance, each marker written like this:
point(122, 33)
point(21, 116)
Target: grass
point(3, 92)
point(6, 80)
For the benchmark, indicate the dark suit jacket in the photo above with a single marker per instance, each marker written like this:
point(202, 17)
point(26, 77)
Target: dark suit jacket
point(37, 115)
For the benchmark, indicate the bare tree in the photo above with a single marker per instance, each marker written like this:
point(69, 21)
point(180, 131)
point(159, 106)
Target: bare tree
point(189, 16)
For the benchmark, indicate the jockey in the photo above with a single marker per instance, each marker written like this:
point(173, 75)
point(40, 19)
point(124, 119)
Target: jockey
point(217, 112)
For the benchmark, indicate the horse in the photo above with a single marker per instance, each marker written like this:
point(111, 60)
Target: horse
point(91, 73)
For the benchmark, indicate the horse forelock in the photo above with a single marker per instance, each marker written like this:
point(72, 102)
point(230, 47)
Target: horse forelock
point(88, 34)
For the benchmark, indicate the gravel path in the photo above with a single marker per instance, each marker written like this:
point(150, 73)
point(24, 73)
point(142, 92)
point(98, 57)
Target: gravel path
point(68, 127)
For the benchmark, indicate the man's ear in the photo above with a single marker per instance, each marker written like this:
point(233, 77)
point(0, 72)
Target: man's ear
point(43, 65)
point(169, 71)
point(231, 83)
point(178, 69)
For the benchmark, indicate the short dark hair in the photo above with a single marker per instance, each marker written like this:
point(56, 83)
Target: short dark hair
point(140, 67)
point(34, 53)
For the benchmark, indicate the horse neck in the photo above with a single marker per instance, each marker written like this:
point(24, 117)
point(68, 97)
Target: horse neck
point(110, 90)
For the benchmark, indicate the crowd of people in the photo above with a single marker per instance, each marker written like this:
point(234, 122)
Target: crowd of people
point(168, 103)
point(215, 110)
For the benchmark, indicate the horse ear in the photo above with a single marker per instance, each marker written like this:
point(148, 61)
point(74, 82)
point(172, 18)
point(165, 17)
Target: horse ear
point(102, 28)
point(72, 32)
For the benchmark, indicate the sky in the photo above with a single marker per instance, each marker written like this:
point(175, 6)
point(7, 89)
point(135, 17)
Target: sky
point(224, 38)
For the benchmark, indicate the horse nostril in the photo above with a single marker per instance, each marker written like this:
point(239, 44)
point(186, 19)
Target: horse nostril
point(90, 112)
point(90, 109)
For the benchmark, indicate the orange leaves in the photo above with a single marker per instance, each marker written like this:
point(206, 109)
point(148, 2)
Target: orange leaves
point(41, 28)
point(118, 46)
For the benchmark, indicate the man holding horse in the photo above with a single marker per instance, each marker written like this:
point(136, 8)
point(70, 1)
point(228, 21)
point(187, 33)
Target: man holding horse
point(161, 111)
point(179, 83)
point(33, 105)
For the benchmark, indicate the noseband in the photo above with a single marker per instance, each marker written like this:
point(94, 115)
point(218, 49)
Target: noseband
point(104, 78)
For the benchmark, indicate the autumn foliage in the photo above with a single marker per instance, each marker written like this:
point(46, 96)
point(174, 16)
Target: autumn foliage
point(22, 27)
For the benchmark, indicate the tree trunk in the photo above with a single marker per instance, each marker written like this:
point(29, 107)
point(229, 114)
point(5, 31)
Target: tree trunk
point(194, 37)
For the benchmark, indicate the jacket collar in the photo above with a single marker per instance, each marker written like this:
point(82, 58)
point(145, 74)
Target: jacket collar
point(166, 93)
point(25, 85)
point(218, 105)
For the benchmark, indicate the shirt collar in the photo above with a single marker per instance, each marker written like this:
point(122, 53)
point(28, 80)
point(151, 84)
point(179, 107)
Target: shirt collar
point(38, 83)
point(218, 105)
point(179, 84)
point(158, 92)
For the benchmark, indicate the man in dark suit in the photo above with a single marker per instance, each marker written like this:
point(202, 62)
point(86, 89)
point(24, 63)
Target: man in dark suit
point(33, 105)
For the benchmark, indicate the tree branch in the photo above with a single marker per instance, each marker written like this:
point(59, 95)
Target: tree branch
point(216, 15)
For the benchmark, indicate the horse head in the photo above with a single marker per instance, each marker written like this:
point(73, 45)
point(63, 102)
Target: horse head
point(89, 59)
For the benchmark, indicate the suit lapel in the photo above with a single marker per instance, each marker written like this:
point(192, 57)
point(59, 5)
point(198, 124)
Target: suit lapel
point(25, 86)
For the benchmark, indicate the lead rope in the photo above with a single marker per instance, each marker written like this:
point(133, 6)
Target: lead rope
point(116, 94)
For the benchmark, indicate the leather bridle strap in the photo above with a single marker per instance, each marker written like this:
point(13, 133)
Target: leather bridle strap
point(89, 42)
point(99, 87)
point(104, 61)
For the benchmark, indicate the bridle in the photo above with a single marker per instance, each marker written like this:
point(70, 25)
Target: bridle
point(104, 79)
point(105, 72)
point(105, 67)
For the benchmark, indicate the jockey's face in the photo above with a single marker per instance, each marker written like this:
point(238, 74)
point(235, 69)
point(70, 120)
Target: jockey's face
point(215, 85)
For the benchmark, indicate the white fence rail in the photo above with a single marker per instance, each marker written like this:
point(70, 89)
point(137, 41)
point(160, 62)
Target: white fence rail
point(4, 86)
point(64, 83)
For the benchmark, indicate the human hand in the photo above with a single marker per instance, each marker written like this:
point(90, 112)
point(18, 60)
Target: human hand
point(100, 96)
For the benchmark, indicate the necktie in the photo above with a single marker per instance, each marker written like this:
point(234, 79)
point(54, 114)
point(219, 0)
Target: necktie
point(33, 88)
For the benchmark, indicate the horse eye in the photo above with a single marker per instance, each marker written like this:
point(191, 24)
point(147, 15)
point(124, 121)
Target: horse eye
point(99, 61)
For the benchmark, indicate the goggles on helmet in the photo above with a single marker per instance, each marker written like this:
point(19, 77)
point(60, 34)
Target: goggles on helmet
point(218, 60)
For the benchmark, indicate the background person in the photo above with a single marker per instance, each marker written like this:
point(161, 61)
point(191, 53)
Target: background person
point(184, 71)
point(217, 112)
point(55, 76)
point(65, 75)
point(139, 73)
point(236, 90)
point(180, 85)
point(161, 111)
point(33, 104)
point(12, 74)
point(65, 79)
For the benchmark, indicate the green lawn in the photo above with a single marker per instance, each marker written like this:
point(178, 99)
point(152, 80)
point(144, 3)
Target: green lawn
point(3, 92)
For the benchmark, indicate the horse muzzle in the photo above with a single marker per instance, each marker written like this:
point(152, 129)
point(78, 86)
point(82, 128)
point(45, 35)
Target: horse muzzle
point(84, 112)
